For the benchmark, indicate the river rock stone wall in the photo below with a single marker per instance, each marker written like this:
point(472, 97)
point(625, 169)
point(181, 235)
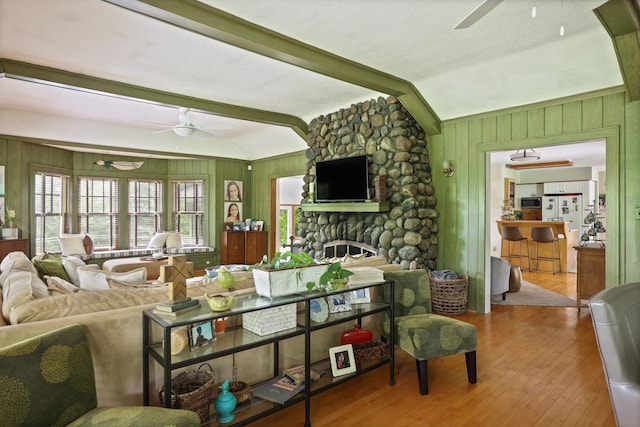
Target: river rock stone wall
point(396, 146)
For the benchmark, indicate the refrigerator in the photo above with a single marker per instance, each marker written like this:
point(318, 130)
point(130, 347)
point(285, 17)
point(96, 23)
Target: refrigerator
point(564, 208)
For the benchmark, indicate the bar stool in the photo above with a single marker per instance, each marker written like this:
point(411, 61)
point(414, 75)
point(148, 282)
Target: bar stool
point(513, 234)
point(545, 235)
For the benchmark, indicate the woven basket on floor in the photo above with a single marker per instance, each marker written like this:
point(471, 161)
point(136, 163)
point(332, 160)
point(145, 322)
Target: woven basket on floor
point(192, 390)
point(449, 296)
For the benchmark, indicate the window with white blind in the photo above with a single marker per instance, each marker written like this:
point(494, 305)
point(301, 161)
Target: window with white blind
point(188, 211)
point(98, 210)
point(50, 209)
point(145, 211)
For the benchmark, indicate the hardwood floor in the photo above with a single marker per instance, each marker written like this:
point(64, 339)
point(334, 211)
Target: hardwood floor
point(537, 366)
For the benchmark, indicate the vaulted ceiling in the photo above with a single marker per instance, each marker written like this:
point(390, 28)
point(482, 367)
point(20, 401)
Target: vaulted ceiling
point(111, 75)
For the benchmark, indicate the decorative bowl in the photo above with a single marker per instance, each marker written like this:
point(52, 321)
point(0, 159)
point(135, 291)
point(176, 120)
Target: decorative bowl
point(212, 271)
point(220, 302)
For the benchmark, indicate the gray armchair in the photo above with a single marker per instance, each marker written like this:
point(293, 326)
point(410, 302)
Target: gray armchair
point(615, 313)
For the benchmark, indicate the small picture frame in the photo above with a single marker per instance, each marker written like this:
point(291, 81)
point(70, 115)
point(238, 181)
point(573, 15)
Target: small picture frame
point(228, 226)
point(257, 225)
point(360, 296)
point(342, 360)
point(238, 226)
point(200, 334)
point(339, 302)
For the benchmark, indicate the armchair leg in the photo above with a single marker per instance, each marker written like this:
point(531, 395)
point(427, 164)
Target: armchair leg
point(423, 376)
point(471, 367)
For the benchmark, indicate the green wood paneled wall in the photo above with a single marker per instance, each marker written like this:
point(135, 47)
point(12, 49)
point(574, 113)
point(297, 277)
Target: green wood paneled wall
point(465, 142)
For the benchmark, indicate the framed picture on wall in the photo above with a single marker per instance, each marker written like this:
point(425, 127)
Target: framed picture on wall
point(232, 191)
point(233, 212)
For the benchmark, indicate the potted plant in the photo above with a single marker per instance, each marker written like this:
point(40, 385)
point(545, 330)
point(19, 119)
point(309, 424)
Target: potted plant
point(286, 273)
point(334, 278)
point(9, 226)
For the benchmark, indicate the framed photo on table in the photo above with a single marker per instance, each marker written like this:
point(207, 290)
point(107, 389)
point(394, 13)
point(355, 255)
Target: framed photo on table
point(360, 296)
point(200, 334)
point(342, 360)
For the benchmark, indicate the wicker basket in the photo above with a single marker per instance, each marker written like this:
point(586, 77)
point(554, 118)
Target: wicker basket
point(370, 351)
point(192, 390)
point(449, 296)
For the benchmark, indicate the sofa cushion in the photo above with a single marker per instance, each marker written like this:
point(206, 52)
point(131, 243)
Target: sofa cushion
point(9, 260)
point(19, 287)
point(71, 265)
point(72, 244)
point(158, 240)
point(51, 266)
point(87, 242)
point(93, 279)
point(174, 240)
point(59, 286)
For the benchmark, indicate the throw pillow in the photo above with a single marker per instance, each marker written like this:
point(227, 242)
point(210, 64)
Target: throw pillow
point(157, 241)
point(92, 279)
point(10, 259)
point(59, 286)
point(71, 264)
point(72, 245)
point(87, 242)
point(51, 267)
point(174, 240)
point(137, 276)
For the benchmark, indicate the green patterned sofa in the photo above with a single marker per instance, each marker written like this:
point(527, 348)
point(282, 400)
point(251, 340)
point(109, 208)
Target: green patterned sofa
point(48, 380)
point(422, 334)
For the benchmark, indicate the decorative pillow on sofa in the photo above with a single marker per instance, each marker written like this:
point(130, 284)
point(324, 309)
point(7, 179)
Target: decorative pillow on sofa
point(174, 240)
point(72, 244)
point(50, 266)
point(59, 286)
point(87, 242)
point(71, 265)
point(92, 279)
point(158, 240)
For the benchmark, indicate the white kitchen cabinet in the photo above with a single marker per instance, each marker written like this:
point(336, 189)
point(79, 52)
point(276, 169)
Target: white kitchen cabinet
point(568, 187)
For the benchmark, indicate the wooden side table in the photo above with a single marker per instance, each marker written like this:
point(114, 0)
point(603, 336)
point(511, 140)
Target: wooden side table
point(591, 271)
point(13, 245)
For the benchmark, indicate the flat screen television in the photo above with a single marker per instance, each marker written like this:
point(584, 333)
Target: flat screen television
point(343, 180)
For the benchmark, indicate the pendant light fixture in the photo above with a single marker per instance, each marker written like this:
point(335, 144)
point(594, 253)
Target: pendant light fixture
point(525, 155)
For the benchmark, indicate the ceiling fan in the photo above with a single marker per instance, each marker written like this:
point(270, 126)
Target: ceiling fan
point(185, 126)
point(478, 13)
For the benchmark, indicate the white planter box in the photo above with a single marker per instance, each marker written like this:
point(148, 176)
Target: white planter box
point(277, 283)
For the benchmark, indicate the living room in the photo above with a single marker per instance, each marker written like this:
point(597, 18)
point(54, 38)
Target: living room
point(463, 139)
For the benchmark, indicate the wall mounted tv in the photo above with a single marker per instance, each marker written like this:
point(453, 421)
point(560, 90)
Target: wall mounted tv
point(343, 180)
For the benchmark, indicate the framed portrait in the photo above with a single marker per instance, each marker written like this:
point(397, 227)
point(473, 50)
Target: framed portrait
point(238, 226)
point(339, 302)
point(228, 226)
point(232, 191)
point(342, 360)
point(233, 212)
point(257, 225)
point(360, 296)
point(200, 334)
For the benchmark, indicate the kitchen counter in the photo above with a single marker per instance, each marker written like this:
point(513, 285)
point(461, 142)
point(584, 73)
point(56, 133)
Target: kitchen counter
point(566, 238)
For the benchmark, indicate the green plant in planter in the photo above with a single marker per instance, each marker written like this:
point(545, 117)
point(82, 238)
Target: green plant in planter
point(286, 260)
point(334, 278)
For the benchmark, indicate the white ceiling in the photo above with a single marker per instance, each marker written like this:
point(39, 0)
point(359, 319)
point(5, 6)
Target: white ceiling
point(505, 59)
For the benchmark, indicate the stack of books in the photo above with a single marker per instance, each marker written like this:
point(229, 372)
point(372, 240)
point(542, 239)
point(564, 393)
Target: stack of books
point(296, 374)
point(278, 390)
point(175, 308)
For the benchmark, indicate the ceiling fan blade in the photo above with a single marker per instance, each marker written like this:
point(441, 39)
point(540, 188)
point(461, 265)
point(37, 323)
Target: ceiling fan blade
point(478, 13)
point(163, 130)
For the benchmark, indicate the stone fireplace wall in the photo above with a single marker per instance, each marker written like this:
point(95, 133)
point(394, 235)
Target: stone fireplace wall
point(396, 147)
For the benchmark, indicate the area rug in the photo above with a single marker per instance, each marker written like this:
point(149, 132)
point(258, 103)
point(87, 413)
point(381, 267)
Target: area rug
point(530, 294)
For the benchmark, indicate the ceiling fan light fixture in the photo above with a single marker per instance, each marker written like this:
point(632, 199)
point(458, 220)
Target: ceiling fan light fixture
point(182, 130)
point(525, 155)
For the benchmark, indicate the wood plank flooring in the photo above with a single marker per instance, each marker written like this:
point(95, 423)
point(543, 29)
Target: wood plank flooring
point(537, 366)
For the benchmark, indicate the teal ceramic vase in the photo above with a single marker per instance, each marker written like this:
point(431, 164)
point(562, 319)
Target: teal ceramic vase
point(225, 403)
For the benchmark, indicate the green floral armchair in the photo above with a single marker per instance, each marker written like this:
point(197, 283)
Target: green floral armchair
point(48, 380)
point(422, 334)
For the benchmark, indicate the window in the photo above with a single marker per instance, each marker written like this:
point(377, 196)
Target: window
point(145, 211)
point(50, 209)
point(189, 211)
point(98, 210)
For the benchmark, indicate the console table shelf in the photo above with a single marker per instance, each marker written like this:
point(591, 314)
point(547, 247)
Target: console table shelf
point(237, 339)
point(346, 207)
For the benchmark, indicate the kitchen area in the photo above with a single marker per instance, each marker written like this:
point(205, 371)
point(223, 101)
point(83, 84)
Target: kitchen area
point(566, 195)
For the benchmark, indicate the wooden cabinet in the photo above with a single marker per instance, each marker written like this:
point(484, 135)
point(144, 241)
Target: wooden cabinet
point(591, 271)
point(13, 245)
point(243, 247)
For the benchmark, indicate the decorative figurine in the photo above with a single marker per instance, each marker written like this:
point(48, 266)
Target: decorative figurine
point(225, 403)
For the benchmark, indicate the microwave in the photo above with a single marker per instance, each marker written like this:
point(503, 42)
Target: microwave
point(531, 203)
